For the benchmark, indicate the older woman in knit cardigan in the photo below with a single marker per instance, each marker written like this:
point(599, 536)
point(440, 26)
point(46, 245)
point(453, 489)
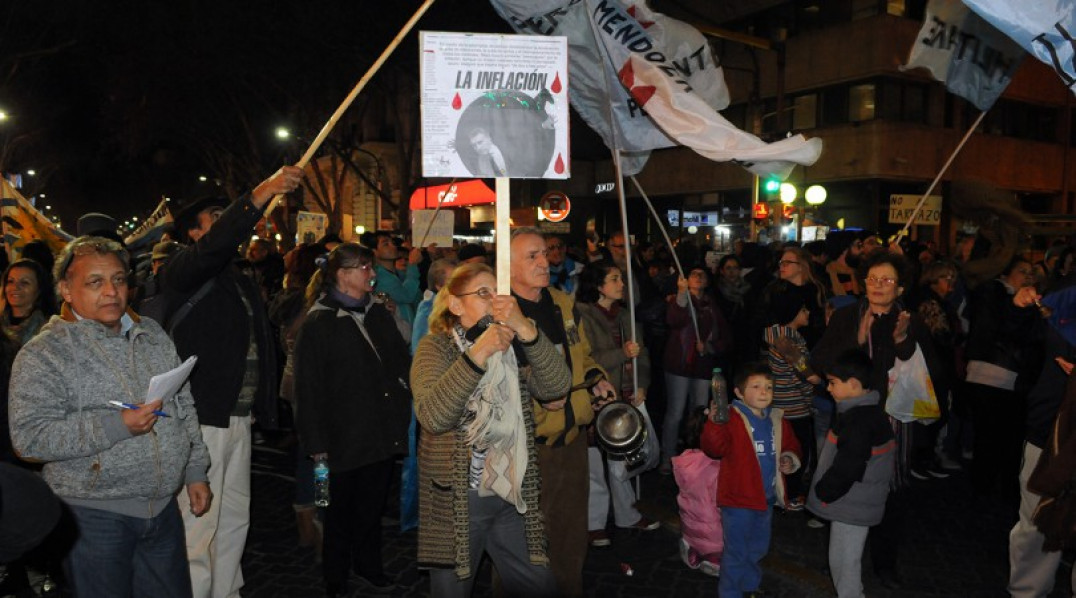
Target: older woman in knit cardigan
point(478, 467)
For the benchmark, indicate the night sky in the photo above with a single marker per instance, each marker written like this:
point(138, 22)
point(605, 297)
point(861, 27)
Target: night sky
point(116, 104)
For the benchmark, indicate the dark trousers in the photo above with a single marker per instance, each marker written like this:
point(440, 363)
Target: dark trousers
point(885, 538)
point(496, 529)
point(122, 557)
point(352, 535)
point(999, 432)
point(747, 540)
point(799, 482)
point(565, 496)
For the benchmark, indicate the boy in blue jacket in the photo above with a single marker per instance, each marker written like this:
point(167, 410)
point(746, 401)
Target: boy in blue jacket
point(851, 483)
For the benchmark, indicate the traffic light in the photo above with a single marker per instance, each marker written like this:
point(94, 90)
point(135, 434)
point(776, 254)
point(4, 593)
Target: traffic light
point(771, 186)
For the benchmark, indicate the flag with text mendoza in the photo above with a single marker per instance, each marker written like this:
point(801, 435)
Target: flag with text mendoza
point(151, 229)
point(1045, 29)
point(22, 223)
point(670, 88)
point(972, 58)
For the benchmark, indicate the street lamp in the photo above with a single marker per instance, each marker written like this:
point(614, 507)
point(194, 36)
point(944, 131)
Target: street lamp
point(788, 193)
point(3, 116)
point(815, 195)
point(282, 133)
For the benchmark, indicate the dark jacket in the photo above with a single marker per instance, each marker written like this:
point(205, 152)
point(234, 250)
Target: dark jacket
point(681, 356)
point(1046, 396)
point(1002, 334)
point(842, 334)
point(855, 467)
point(355, 404)
point(946, 334)
point(217, 329)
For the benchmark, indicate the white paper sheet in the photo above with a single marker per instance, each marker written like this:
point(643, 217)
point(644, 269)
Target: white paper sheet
point(163, 386)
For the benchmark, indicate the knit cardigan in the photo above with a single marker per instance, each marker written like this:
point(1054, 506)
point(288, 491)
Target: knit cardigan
point(442, 379)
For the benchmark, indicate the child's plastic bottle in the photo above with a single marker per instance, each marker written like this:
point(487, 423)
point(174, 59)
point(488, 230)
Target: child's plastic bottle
point(719, 388)
point(321, 482)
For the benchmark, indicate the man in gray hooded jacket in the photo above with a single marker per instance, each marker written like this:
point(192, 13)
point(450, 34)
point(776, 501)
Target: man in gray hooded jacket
point(78, 403)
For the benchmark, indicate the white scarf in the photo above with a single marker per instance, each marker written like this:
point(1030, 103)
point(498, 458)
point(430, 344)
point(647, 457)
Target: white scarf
point(494, 422)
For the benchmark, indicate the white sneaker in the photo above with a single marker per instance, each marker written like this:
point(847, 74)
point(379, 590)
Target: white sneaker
point(711, 569)
point(686, 555)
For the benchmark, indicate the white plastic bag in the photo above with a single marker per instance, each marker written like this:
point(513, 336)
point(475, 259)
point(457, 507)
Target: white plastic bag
point(911, 392)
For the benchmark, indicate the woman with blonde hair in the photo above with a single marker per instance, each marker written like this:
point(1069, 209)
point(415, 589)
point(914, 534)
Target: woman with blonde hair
point(478, 466)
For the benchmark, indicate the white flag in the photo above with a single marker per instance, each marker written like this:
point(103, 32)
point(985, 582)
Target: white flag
point(1045, 29)
point(152, 227)
point(959, 48)
point(676, 87)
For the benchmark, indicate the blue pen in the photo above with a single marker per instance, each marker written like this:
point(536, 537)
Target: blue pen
point(130, 406)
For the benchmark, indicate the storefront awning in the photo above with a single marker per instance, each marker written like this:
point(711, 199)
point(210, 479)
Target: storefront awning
point(465, 193)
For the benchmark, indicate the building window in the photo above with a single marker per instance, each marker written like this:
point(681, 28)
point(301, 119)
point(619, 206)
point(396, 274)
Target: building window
point(1019, 120)
point(834, 106)
point(805, 112)
point(902, 101)
point(861, 102)
point(862, 9)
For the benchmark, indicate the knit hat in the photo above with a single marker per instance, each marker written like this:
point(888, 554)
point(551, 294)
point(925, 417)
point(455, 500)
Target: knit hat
point(785, 305)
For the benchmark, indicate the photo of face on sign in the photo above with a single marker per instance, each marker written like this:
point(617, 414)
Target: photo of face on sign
point(507, 133)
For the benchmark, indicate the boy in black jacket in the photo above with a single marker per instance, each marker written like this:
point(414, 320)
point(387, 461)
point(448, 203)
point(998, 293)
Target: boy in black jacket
point(855, 467)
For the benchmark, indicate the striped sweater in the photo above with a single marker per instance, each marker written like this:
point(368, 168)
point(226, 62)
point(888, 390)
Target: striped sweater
point(790, 391)
point(442, 380)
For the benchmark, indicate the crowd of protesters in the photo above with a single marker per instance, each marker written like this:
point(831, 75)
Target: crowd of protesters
point(373, 351)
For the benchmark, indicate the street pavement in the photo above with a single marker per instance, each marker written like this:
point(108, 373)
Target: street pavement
point(955, 545)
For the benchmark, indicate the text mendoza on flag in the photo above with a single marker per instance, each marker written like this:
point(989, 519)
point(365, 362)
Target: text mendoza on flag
point(959, 48)
point(1045, 29)
point(669, 94)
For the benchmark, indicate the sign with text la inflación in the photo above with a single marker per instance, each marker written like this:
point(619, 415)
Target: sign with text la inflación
point(902, 206)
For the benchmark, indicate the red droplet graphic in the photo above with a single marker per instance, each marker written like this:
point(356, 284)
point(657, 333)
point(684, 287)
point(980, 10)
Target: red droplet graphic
point(558, 166)
point(556, 87)
point(457, 103)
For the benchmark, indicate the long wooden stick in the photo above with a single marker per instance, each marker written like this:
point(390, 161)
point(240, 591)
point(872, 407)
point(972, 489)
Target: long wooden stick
point(440, 202)
point(376, 66)
point(628, 270)
point(941, 172)
point(676, 258)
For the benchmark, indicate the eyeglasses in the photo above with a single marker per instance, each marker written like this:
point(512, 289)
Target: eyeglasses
point(363, 267)
point(881, 282)
point(554, 247)
point(81, 248)
point(482, 293)
point(90, 245)
point(784, 263)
